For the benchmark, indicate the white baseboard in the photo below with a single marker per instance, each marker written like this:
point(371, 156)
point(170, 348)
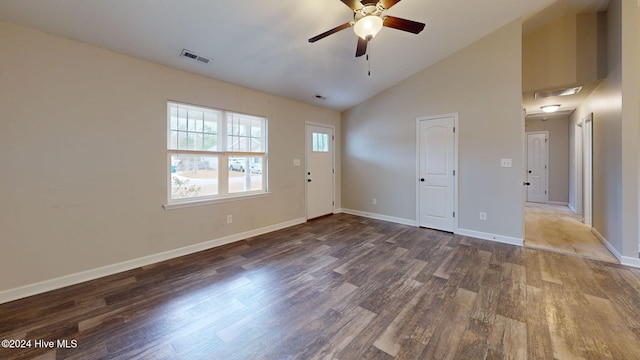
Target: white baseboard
point(72, 279)
point(559, 203)
point(572, 209)
point(379, 217)
point(464, 232)
point(491, 237)
point(624, 260)
point(629, 261)
point(607, 244)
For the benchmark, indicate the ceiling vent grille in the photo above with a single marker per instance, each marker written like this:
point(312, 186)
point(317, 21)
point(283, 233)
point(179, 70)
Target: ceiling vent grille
point(558, 92)
point(193, 56)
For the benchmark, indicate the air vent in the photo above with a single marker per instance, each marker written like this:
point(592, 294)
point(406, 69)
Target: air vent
point(193, 56)
point(558, 92)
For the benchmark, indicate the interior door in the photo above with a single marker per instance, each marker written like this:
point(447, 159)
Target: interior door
point(320, 171)
point(436, 173)
point(537, 155)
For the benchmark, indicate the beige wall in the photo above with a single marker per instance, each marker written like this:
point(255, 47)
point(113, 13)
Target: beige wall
point(483, 84)
point(549, 55)
point(83, 154)
point(615, 134)
point(564, 52)
point(558, 129)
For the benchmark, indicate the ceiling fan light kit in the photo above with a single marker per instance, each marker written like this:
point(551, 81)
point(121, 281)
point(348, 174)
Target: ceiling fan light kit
point(368, 26)
point(368, 21)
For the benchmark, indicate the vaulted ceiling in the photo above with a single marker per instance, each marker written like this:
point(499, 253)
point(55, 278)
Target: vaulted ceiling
point(263, 44)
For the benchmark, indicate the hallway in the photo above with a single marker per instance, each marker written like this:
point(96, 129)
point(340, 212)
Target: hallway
point(556, 228)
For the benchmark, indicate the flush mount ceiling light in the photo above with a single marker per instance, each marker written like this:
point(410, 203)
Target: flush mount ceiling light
point(550, 108)
point(558, 92)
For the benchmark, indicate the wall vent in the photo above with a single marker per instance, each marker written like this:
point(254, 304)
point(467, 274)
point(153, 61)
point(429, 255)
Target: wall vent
point(193, 56)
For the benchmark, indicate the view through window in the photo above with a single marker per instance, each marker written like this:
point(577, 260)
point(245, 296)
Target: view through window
point(214, 153)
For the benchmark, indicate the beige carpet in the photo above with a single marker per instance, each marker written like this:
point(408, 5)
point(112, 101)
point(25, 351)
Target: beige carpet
point(556, 228)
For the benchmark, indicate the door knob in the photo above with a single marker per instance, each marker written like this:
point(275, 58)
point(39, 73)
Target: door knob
point(422, 179)
point(529, 171)
point(308, 180)
point(526, 183)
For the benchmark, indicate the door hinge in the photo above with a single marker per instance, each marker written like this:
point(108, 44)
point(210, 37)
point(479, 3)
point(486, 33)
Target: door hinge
point(334, 170)
point(545, 167)
point(333, 203)
point(454, 129)
point(454, 214)
point(454, 173)
point(545, 192)
point(333, 137)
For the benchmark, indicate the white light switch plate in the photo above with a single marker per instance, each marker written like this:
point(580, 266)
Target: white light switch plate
point(296, 162)
point(505, 163)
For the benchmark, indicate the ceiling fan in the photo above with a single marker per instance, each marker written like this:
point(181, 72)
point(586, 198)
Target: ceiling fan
point(368, 20)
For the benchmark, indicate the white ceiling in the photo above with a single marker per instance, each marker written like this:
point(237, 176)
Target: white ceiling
point(263, 44)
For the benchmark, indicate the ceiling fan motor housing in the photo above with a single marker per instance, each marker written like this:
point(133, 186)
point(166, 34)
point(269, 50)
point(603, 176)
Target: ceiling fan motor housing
point(368, 9)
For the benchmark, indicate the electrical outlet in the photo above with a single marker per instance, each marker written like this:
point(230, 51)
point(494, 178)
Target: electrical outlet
point(229, 219)
point(483, 216)
point(375, 201)
point(506, 163)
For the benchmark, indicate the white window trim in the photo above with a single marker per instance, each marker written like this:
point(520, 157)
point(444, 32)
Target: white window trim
point(222, 170)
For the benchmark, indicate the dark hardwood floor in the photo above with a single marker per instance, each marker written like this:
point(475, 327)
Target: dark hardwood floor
point(342, 287)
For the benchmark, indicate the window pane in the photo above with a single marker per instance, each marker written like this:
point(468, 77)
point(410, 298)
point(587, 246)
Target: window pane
point(192, 124)
point(193, 176)
point(173, 140)
point(182, 123)
point(245, 133)
point(245, 174)
point(320, 142)
point(210, 142)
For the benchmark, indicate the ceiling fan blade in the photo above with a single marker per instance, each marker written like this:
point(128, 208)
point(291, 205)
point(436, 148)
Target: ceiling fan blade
point(387, 4)
point(403, 24)
point(362, 47)
point(353, 4)
point(332, 31)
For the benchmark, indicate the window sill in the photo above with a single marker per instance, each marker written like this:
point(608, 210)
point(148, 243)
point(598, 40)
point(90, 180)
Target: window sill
point(184, 204)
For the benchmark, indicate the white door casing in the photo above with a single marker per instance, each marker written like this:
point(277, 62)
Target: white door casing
point(587, 168)
point(437, 162)
point(320, 170)
point(537, 160)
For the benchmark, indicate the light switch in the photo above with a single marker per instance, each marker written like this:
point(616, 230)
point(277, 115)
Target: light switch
point(296, 162)
point(506, 163)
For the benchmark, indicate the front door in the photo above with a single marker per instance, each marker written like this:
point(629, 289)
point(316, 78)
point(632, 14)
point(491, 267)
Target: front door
point(537, 147)
point(436, 173)
point(320, 171)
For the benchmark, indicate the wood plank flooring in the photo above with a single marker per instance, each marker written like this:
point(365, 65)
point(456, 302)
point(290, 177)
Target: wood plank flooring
point(343, 287)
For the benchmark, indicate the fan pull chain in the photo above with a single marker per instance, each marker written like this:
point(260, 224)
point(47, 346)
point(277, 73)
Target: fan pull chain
point(368, 62)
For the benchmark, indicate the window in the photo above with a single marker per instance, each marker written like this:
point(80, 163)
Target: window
point(320, 142)
point(214, 153)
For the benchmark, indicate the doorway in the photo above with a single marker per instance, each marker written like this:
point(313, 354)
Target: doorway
point(557, 225)
point(437, 158)
point(320, 171)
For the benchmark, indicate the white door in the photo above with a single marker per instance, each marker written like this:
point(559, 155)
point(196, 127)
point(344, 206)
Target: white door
point(320, 171)
point(537, 155)
point(436, 168)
